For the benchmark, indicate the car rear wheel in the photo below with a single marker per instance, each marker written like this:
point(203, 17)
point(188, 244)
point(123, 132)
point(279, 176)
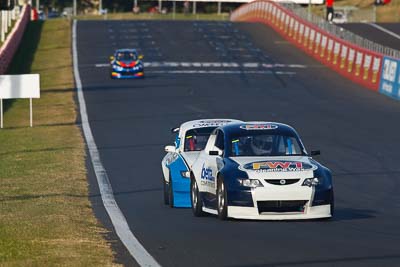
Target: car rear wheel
point(222, 200)
point(170, 193)
point(166, 197)
point(197, 205)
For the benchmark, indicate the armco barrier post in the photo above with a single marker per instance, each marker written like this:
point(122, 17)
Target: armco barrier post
point(350, 60)
point(279, 15)
point(375, 69)
point(324, 43)
point(257, 9)
point(301, 33)
point(359, 61)
point(286, 27)
point(317, 43)
point(291, 26)
point(343, 57)
point(311, 42)
point(336, 51)
point(306, 35)
point(273, 14)
point(296, 30)
point(330, 50)
point(366, 66)
point(266, 11)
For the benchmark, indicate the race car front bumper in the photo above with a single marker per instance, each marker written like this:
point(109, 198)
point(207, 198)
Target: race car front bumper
point(292, 202)
point(252, 213)
point(127, 75)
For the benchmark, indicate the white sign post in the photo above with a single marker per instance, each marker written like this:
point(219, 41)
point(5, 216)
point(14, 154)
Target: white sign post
point(19, 86)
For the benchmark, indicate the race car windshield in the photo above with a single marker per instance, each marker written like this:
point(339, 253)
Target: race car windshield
point(254, 145)
point(126, 56)
point(196, 139)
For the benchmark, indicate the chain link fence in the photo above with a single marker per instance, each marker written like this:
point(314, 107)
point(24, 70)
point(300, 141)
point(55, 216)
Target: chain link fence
point(341, 32)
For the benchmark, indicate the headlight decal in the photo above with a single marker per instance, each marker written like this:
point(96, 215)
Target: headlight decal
point(252, 183)
point(118, 68)
point(311, 182)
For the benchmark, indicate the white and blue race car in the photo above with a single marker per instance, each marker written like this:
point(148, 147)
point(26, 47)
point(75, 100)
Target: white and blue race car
point(260, 170)
point(191, 138)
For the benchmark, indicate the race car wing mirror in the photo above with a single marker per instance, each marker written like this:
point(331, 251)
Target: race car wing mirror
point(315, 152)
point(170, 149)
point(140, 57)
point(175, 130)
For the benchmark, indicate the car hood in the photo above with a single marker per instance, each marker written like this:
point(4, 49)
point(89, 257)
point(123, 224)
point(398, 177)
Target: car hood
point(276, 167)
point(126, 63)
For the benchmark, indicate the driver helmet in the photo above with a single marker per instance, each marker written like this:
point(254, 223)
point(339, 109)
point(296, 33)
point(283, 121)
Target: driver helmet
point(261, 144)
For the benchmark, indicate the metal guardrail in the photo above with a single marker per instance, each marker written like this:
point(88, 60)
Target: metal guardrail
point(341, 32)
point(6, 20)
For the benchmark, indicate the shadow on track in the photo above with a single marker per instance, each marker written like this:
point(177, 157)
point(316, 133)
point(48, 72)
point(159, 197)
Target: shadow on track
point(348, 214)
point(330, 262)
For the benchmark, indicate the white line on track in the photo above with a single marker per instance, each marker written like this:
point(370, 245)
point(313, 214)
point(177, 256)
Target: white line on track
point(385, 30)
point(220, 72)
point(213, 65)
point(117, 218)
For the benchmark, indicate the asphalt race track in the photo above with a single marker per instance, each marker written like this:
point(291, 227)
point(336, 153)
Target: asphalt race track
point(244, 71)
point(377, 35)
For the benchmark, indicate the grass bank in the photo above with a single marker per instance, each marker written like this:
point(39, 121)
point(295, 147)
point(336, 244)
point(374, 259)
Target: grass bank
point(45, 213)
point(366, 10)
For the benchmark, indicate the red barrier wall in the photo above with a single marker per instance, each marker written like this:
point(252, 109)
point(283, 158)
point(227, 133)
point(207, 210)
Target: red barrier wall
point(10, 46)
point(355, 63)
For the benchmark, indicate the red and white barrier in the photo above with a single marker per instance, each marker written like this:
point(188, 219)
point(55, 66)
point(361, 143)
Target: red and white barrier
point(10, 46)
point(356, 63)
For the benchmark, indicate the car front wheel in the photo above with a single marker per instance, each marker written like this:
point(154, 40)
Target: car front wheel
point(197, 205)
point(222, 200)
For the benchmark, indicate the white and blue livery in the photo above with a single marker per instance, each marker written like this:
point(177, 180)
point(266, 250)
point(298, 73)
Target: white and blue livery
point(260, 170)
point(191, 138)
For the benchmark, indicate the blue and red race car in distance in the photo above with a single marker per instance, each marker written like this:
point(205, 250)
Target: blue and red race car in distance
point(126, 64)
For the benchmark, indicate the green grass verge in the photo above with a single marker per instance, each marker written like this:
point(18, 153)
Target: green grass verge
point(45, 213)
point(148, 16)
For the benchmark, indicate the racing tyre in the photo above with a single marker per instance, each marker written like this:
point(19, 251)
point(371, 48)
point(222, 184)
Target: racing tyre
point(222, 200)
point(166, 197)
point(332, 204)
point(170, 193)
point(197, 205)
